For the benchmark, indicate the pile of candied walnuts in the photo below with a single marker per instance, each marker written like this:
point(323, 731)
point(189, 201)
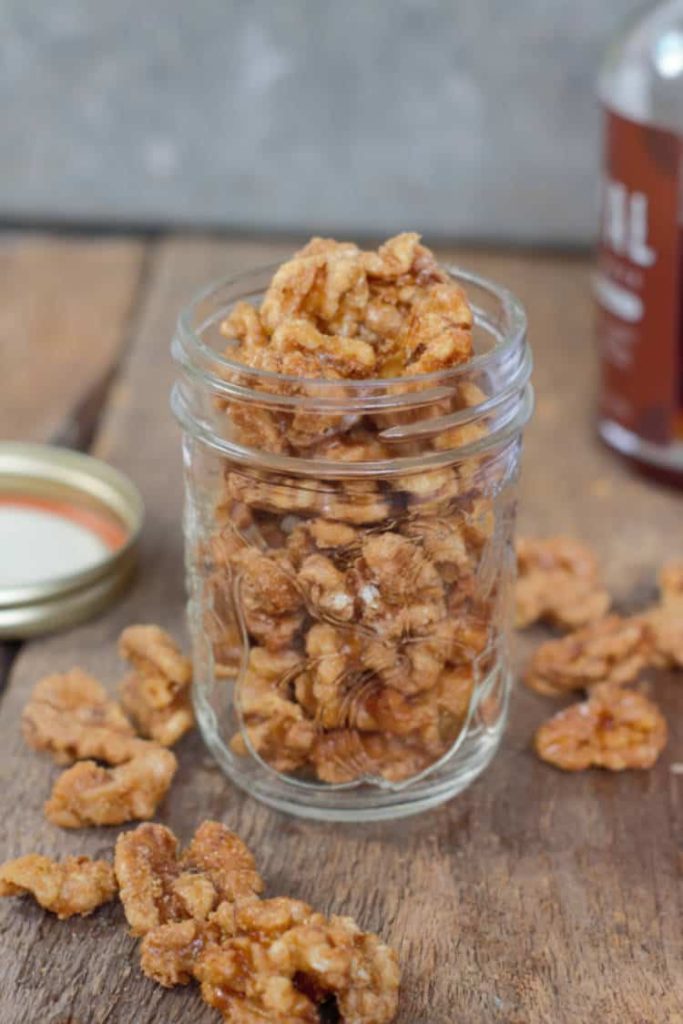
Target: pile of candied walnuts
point(201, 917)
point(199, 913)
point(369, 616)
point(616, 727)
point(120, 764)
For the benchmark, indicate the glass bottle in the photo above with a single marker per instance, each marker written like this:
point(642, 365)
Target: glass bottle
point(639, 280)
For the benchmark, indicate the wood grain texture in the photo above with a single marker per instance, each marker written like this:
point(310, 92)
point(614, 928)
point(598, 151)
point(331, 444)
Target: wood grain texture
point(533, 898)
point(64, 309)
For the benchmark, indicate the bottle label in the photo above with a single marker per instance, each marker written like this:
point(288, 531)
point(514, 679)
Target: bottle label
point(639, 281)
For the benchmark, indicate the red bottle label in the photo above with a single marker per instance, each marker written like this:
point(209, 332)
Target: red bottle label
point(639, 281)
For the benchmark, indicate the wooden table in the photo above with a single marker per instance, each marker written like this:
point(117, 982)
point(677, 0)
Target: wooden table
point(535, 897)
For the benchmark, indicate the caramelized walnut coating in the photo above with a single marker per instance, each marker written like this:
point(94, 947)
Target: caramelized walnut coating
point(615, 728)
point(70, 716)
point(89, 794)
point(156, 694)
point(76, 885)
point(342, 755)
point(275, 725)
point(558, 582)
point(271, 602)
point(337, 311)
point(277, 960)
point(611, 650)
point(159, 885)
point(201, 917)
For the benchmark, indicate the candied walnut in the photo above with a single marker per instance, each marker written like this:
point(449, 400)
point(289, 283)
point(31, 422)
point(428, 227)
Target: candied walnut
point(327, 590)
point(155, 656)
point(168, 952)
point(349, 357)
point(88, 794)
point(331, 659)
point(76, 885)
point(452, 695)
point(326, 534)
point(438, 334)
point(270, 600)
point(558, 581)
point(399, 591)
point(274, 724)
point(414, 664)
point(615, 728)
point(324, 282)
point(243, 324)
point(611, 650)
point(359, 502)
point(400, 256)
point(286, 961)
point(71, 716)
point(338, 540)
point(428, 490)
point(409, 667)
point(159, 886)
point(339, 692)
point(157, 693)
point(255, 959)
point(444, 542)
point(336, 958)
point(344, 755)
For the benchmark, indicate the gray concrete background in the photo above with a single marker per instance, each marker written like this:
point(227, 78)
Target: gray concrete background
point(462, 118)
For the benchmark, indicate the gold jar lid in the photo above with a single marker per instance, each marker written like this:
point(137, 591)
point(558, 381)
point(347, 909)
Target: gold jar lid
point(69, 530)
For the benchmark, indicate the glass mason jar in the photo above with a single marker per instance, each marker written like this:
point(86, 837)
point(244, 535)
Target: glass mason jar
point(350, 609)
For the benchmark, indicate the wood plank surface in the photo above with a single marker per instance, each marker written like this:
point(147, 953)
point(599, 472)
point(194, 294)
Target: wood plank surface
point(533, 898)
point(65, 304)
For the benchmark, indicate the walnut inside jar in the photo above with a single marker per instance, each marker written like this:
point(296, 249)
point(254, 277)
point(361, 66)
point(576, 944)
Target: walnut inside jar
point(367, 601)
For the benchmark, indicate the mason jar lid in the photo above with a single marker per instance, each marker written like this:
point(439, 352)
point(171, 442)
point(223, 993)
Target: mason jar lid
point(69, 528)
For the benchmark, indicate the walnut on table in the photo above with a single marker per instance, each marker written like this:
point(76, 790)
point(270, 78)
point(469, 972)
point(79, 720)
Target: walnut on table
point(90, 794)
point(158, 884)
point(76, 885)
point(558, 582)
point(288, 961)
point(615, 728)
point(70, 716)
point(255, 959)
point(156, 694)
point(610, 650)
